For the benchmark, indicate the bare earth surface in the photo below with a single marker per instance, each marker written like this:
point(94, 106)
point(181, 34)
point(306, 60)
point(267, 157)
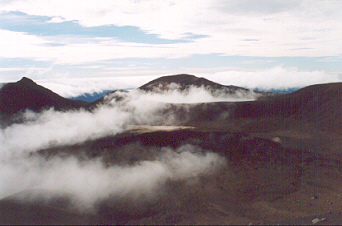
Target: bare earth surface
point(283, 167)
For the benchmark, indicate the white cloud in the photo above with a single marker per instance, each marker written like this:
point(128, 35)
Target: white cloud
point(19, 44)
point(57, 128)
point(13, 69)
point(278, 28)
point(51, 127)
point(90, 180)
point(84, 50)
point(87, 50)
point(273, 78)
point(71, 87)
point(56, 20)
point(190, 95)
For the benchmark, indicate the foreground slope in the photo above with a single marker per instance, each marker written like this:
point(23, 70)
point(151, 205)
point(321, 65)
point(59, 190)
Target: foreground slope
point(262, 182)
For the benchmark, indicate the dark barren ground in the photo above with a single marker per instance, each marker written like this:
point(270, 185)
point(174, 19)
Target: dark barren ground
point(284, 166)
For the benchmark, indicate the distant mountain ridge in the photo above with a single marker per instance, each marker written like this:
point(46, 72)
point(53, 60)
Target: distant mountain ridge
point(185, 81)
point(321, 102)
point(90, 97)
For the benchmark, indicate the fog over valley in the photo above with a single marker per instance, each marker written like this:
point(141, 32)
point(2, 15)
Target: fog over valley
point(135, 155)
point(173, 112)
point(51, 128)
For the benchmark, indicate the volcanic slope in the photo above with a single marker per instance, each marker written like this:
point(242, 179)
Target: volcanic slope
point(284, 153)
point(319, 104)
point(311, 114)
point(183, 82)
point(183, 85)
point(26, 94)
point(283, 165)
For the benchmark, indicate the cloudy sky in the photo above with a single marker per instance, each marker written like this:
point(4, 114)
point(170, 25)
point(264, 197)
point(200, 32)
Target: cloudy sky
point(86, 46)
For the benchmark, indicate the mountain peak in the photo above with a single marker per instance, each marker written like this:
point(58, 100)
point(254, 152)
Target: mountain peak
point(26, 94)
point(184, 81)
point(25, 80)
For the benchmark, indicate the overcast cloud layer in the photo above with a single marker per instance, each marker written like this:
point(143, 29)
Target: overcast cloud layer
point(259, 28)
point(63, 39)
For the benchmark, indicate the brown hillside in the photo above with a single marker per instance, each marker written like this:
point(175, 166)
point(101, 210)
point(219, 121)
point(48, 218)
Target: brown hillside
point(26, 94)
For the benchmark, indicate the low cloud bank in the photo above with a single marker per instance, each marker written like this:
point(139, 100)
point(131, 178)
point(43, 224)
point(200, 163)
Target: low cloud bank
point(277, 78)
point(73, 87)
point(88, 182)
point(53, 128)
point(191, 95)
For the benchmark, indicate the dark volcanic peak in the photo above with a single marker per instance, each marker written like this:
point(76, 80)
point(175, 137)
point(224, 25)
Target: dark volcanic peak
point(185, 84)
point(26, 94)
point(184, 81)
point(26, 81)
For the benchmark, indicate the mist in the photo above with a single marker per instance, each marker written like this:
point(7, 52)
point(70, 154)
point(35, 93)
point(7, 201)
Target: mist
point(88, 181)
point(192, 94)
point(54, 128)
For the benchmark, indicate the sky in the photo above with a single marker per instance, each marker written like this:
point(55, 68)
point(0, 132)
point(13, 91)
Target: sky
point(75, 47)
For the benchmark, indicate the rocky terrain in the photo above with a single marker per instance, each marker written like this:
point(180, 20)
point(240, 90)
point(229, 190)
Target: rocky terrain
point(276, 159)
point(25, 93)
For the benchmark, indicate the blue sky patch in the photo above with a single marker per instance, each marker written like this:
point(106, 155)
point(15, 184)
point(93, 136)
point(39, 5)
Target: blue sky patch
point(39, 25)
point(43, 42)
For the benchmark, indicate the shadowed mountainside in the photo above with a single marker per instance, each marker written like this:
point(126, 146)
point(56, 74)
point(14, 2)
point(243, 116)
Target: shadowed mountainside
point(26, 94)
point(183, 82)
point(283, 157)
point(323, 100)
point(319, 104)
